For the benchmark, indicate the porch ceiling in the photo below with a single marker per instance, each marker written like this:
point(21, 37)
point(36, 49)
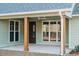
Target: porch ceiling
point(45, 18)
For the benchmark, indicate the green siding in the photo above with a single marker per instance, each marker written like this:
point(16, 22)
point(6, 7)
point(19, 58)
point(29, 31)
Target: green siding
point(38, 32)
point(21, 31)
point(67, 31)
point(4, 34)
point(73, 32)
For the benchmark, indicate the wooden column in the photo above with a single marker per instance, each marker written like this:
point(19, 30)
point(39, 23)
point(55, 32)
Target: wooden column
point(26, 33)
point(62, 50)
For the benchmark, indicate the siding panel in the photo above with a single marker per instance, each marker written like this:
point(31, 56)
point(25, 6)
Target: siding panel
point(74, 32)
point(4, 34)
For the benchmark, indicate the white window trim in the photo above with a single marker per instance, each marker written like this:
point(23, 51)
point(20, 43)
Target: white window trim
point(14, 30)
point(49, 30)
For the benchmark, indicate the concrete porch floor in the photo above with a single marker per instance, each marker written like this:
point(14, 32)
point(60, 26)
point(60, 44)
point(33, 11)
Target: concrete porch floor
point(50, 49)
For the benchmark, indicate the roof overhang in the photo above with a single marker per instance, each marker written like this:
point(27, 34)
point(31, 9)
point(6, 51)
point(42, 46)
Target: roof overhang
point(68, 14)
point(35, 12)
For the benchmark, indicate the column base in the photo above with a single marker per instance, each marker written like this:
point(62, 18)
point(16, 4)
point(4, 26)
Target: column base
point(62, 54)
point(26, 52)
point(26, 49)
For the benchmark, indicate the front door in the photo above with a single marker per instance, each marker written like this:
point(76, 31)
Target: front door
point(32, 32)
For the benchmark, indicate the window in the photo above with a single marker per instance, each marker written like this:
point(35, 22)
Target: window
point(16, 26)
point(11, 31)
point(11, 36)
point(59, 36)
point(14, 31)
point(51, 30)
point(53, 36)
point(45, 31)
point(11, 25)
point(16, 36)
point(59, 32)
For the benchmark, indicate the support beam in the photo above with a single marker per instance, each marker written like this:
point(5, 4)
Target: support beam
point(26, 33)
point(62, 50)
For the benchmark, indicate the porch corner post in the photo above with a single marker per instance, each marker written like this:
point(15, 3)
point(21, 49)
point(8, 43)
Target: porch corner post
point(26, 33)
point(62, 49)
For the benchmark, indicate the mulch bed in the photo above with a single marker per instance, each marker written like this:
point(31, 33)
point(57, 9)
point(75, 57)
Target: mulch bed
point(72, 53)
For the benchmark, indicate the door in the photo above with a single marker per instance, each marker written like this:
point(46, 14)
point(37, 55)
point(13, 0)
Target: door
point(14, 30)
point(32, 32)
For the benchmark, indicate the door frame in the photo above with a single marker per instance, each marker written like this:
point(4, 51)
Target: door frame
point(35, 32)
point(49, 30)
point(15, 20)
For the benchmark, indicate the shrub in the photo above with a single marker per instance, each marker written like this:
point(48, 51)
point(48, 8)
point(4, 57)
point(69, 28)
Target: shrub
point(76, 48)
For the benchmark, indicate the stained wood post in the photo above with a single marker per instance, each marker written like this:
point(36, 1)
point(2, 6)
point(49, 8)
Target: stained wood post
point(62, 49)
point(26, 33)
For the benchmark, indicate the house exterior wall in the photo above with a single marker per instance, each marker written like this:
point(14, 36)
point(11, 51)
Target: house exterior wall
point(73, 32)
point(21, 31)
point(4, 33)
point(67, 32)
point(39, 39)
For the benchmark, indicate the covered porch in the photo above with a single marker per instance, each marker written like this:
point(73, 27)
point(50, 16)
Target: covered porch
point(48, 36)
point(53, 33)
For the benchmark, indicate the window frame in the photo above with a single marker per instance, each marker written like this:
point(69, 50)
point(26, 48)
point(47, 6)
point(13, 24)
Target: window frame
point(49, 40)
point(14, 30)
